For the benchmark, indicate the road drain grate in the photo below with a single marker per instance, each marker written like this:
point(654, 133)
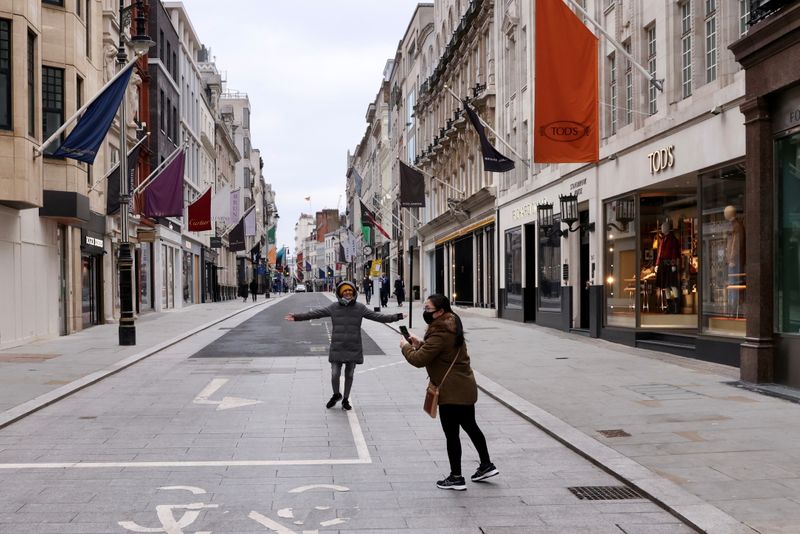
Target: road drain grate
point(614, 433)
point(604, 493)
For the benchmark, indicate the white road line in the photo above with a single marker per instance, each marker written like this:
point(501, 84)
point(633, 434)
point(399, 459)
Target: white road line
point(358, 437)
point(210, 463)
point(355, 427)
point(303, 489)
point(380, 367)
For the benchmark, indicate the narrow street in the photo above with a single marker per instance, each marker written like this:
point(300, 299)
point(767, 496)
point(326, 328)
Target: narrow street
point(226, 432)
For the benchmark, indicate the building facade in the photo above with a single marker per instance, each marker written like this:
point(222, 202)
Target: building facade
point(457, 239)
point(768, 54)
point(646, 246)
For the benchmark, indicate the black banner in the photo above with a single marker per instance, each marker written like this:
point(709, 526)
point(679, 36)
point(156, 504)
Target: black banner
point(236, 237)
point(412, 187)
point(112, 187)
point(493, 161)
point(215, 242)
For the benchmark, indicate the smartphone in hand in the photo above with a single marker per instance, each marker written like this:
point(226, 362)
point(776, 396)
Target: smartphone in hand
point(404, 331)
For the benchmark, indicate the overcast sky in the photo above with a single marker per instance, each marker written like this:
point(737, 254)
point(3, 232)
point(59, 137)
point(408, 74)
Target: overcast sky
point(310, 68)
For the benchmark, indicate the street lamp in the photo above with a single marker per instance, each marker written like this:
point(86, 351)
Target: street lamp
point(141, 43)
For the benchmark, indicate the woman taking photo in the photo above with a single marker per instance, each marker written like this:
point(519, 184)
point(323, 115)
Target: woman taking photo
point(443, 349)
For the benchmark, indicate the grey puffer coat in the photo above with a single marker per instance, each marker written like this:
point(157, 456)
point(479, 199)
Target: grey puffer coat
point(346, 319)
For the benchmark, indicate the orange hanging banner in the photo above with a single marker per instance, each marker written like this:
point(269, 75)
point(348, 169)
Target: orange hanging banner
point(565, 123)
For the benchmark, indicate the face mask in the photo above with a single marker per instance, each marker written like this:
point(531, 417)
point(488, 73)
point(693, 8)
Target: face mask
point(427, 317)
point(345, 301)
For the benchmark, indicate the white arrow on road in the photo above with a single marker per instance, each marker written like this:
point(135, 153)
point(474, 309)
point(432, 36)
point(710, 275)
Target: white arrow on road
point(227, 402)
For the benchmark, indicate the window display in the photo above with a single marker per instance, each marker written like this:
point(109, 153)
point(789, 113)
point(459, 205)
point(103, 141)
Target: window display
point(621, 267)
point(723, 251)
point(550, 267)
point(513, 277)
point(669, 261)
point(787, 291)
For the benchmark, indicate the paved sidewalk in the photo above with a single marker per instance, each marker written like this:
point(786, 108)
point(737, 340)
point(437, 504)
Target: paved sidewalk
point(36, 374)
point(725, 459)
point(713, 453)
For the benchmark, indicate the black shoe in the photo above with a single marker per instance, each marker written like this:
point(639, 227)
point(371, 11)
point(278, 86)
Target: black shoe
point(484, 472)
point(334, 399)
point(346, 404)
point(452, 483)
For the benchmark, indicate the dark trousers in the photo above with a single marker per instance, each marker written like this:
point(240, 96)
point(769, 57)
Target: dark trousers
point(453, 418)
point(336, 374)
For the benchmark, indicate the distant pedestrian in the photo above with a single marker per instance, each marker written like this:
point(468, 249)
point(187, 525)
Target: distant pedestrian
point(243, 291)
point(443, 352)
point(400, 291)
point(253, 290)
point(367, 288)
point(346, 315)
point(384, 290)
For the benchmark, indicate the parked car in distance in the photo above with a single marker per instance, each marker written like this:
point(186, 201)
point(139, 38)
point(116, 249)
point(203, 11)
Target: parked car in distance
point(300, 288)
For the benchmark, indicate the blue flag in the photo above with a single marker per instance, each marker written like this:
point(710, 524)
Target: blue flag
point(84, 140)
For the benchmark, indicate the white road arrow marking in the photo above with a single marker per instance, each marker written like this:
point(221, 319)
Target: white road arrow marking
point(227, 402)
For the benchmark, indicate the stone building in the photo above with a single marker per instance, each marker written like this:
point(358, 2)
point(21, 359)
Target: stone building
point(645, 246)
point(457, 238)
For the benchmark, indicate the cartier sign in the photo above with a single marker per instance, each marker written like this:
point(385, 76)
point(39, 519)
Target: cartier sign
point(662, 159)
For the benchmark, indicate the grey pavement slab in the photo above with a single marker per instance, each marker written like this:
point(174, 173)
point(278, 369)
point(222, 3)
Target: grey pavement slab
point(392, 455)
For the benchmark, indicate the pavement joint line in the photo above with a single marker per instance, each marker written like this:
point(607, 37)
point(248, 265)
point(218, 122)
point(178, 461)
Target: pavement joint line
point(27, 408)
point(680, 503)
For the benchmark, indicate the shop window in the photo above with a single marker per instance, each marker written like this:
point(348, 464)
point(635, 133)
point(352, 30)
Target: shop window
point(723, 252)
point(669, 260)
point(550, 267)
point(188, 279)
point(620, 263)
point(788, 246)
point(513, 251)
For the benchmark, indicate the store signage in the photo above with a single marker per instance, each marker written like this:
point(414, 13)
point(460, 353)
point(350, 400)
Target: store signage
point(94, 242)
point(215, 242)
point(787, 114)
point(525, 212)
point(662, 159)
point(146, 236)
point(576, 188)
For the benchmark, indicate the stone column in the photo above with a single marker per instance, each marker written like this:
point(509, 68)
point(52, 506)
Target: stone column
point(758, 352)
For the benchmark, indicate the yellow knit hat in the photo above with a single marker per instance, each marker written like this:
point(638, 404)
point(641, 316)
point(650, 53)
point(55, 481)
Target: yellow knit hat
point(343, 285)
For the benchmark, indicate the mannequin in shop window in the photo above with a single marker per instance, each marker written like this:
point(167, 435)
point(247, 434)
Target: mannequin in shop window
point(669, 252)
point(735, 259)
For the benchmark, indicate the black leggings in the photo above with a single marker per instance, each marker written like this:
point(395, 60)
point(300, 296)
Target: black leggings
point(336, 374)
point(453, 417)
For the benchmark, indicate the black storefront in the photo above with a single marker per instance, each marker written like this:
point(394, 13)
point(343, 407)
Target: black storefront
point(92, 257)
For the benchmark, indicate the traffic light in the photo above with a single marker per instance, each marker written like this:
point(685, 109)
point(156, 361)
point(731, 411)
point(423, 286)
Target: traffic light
point(286, 271)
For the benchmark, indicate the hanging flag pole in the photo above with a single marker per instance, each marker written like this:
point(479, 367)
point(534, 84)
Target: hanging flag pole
point(147, 181)
point(657, 83)
point(486, 125)
point(231, 226)
point(39, 150)
point(432, 177)
point(114, 168)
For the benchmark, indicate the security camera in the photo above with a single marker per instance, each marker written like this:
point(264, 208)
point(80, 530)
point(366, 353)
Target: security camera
point(716, 110)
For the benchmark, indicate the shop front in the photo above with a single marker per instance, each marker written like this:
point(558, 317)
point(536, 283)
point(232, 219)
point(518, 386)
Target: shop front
point(458, 249)
point(92, 254)
point(647, 248)
point(769, 54)
point(675, 276)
